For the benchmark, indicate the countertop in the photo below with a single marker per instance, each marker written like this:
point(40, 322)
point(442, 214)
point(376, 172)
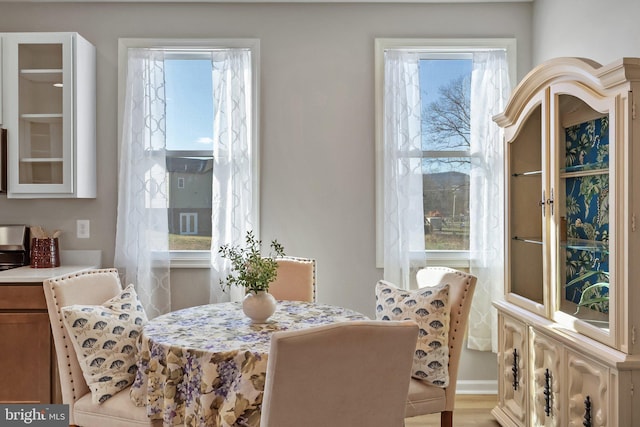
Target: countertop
point(73, 261)
point(27, 274)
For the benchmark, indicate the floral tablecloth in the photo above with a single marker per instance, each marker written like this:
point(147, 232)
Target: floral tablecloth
point(206, 365)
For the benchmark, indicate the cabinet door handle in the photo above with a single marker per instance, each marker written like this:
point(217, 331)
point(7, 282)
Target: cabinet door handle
point(550, 202)
point(542, 203)
point(547, 392)
point(514, 369)
point(587, 412)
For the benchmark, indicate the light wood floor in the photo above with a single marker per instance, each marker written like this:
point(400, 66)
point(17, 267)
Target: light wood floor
point(471, 410)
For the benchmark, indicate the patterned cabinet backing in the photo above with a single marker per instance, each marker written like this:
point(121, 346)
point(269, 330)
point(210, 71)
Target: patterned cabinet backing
point(588, 392)
point(512, 357)
point(546, 369)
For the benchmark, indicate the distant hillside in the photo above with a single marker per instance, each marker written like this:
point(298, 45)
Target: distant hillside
point(439, 189)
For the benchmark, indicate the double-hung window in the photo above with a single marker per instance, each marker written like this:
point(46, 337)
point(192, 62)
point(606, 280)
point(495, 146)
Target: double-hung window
point(188, 157)
point(188, 130)
point(425, 148)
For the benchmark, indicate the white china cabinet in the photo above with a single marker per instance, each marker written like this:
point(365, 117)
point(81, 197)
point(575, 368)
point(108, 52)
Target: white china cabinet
point(48, 95)
point(568, 351)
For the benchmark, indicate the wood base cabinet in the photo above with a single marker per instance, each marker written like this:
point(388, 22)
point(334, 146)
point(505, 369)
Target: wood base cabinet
point(27, 362)
point(568, 351)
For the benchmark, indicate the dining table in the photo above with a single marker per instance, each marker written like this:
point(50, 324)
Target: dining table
point(206, 365)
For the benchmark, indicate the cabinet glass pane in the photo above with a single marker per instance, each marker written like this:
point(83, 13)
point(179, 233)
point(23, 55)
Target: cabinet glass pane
point(525, 218)
point(40, 108)
point(584, 212)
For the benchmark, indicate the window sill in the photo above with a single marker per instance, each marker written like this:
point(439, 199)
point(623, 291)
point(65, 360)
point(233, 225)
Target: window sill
point(452, 259)
point(190, 259)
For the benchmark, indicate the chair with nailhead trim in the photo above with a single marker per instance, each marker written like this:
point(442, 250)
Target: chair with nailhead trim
point(91, 287)
point(424, 398)
point(296, 280)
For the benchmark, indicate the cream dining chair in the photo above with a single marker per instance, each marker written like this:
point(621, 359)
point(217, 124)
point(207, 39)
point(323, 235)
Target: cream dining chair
point(344, 374)
point(424, 398)
point(92, 287)
point(296, 280)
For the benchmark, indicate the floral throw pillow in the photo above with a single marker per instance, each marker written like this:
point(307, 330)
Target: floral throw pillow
point(104, 338)
point(429, 308)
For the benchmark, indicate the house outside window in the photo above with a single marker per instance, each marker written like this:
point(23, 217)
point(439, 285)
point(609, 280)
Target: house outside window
point(180, 182)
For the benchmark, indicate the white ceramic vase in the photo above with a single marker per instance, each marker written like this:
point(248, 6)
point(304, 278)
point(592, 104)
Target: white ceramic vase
point(259, 306)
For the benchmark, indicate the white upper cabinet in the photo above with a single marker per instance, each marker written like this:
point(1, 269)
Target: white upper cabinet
point(49, 86)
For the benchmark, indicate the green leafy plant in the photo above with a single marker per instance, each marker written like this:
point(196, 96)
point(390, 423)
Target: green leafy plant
point(249, 268)
point(591, 295)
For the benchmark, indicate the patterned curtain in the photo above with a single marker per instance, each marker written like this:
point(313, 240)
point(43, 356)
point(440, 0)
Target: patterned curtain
point(403, 208)
point(489, 94)
point(142, 245)
point(234, 183)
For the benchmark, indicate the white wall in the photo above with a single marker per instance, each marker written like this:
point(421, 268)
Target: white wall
point(317, 122)
point(602, 31)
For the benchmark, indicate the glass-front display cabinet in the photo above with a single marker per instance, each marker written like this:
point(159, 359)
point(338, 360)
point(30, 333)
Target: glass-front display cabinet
point(49, 98)
point(572, 146)
point(560, 201)
point(583, 209)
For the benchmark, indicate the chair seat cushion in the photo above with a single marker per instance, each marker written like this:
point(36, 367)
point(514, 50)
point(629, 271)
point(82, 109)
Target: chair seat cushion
point(119, 411)
point(429, 308)
point(424, 398)
point(104, 338)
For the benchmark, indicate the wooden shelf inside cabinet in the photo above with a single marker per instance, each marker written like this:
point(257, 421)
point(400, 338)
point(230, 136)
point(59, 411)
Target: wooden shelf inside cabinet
point(42, 160)
point(42, 75)
point(42, 118)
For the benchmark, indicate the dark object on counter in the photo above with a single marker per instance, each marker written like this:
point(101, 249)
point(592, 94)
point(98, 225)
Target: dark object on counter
point(44, 253)
point(14, 246)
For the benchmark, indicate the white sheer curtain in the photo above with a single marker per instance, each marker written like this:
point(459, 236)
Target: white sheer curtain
point(234, 183)
point(403, 209)
point(141, 251)
point(489, 94)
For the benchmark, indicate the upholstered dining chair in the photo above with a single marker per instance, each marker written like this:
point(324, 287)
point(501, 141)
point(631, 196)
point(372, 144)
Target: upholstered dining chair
point(344, 374)
point(296, 280)
point(424, 398)
point(91, 287)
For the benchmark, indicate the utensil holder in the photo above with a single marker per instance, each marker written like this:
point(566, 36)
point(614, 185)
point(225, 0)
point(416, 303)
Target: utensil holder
point(44, 253)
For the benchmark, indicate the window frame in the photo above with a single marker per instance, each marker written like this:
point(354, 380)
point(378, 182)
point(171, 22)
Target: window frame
point(200, 259)
point(432, 49)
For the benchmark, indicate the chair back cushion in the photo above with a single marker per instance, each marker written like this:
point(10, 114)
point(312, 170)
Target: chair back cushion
point(340, 375)
point(429, 308)
point(461, 288)
point(296, 280)
point(87, 287)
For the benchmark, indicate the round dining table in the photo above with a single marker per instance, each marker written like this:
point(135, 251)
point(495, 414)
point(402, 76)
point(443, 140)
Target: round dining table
point(206, 365)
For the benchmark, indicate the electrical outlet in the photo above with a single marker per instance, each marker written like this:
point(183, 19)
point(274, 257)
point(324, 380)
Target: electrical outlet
point(83, 230)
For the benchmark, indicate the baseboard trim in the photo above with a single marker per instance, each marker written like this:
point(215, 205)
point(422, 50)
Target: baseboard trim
point(477, 387)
